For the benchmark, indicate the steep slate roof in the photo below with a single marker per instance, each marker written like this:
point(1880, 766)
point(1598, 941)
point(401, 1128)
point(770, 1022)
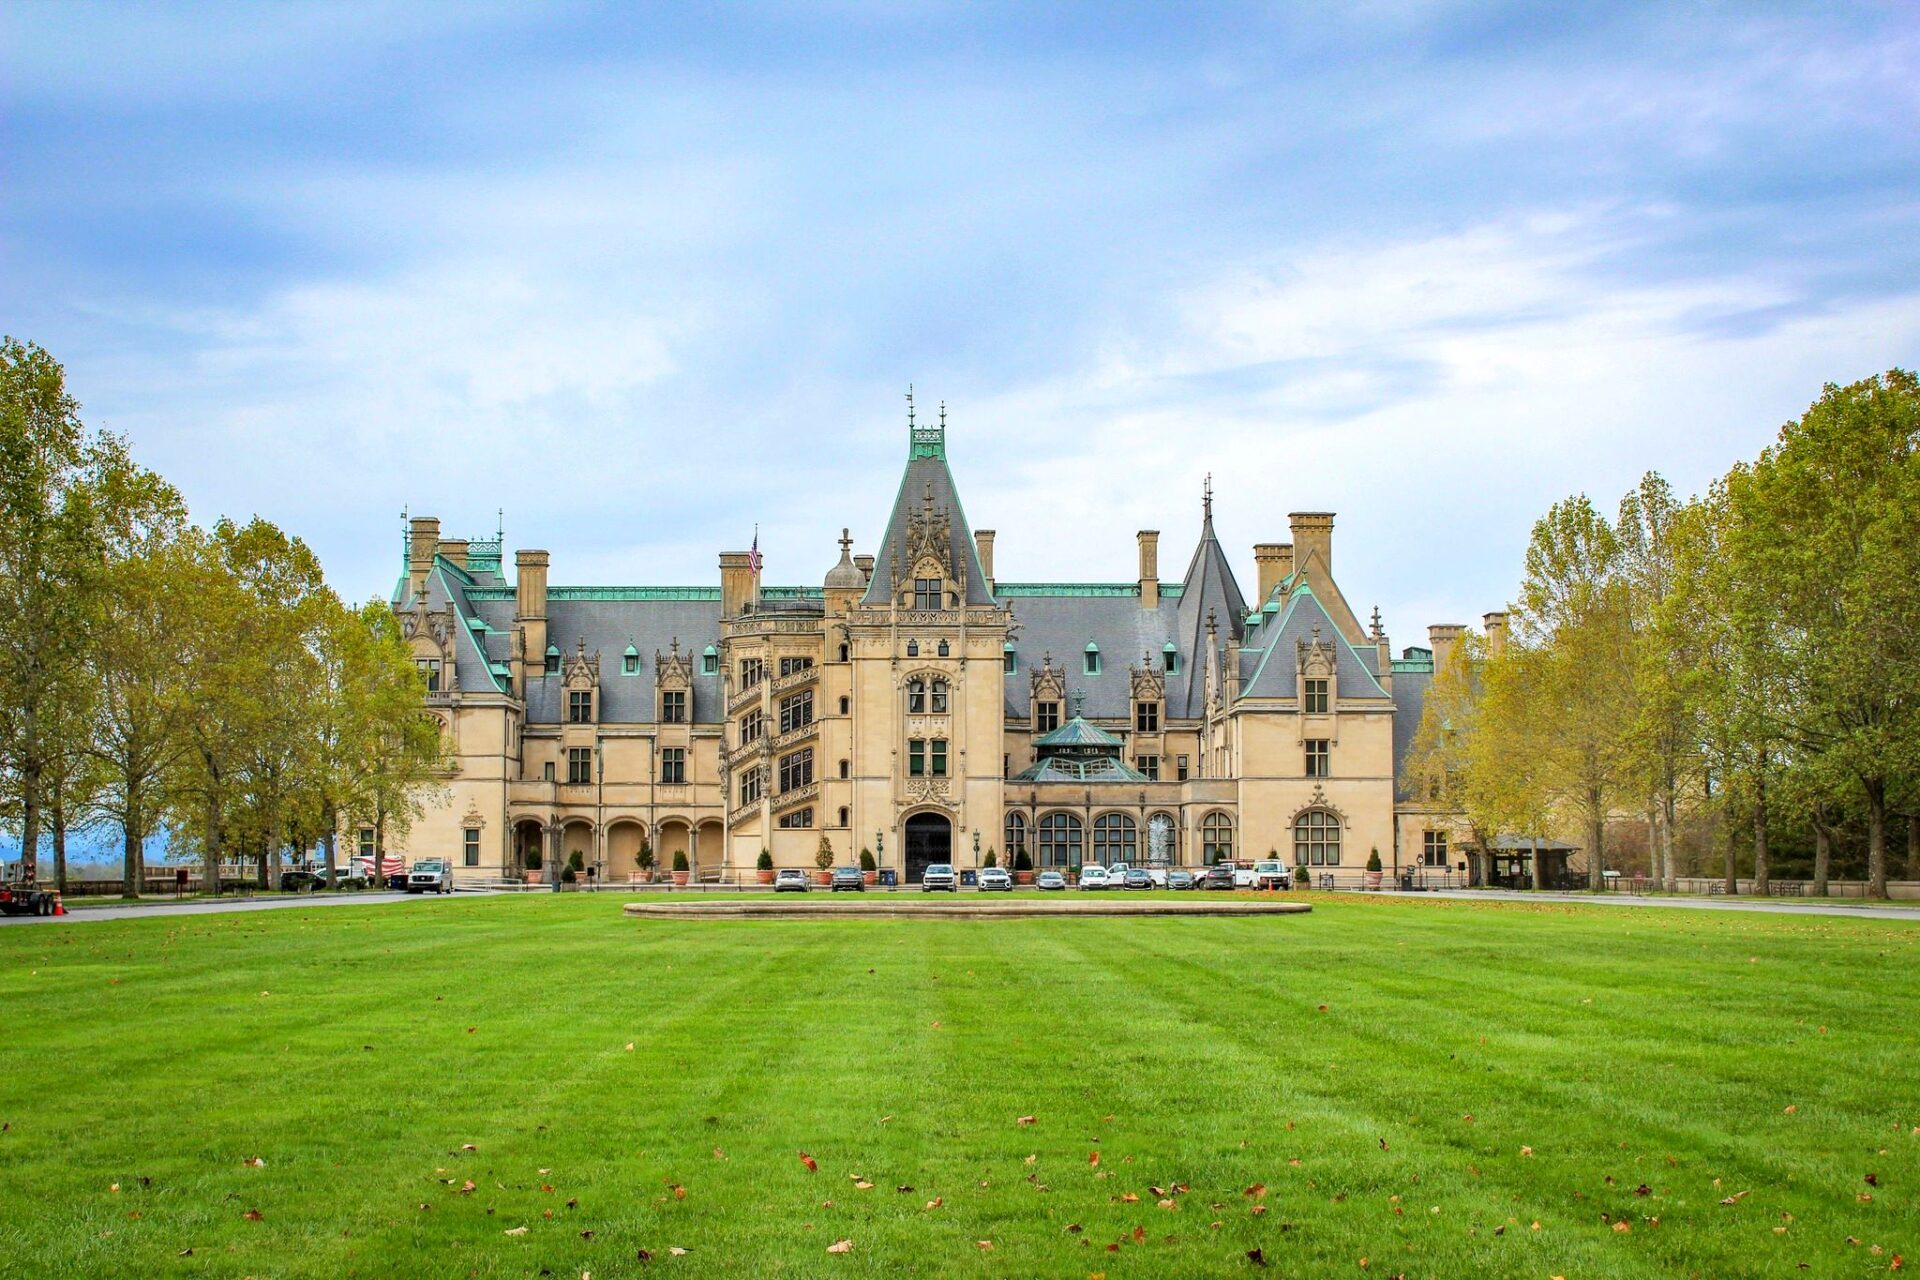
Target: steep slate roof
point(1067, 617)
point(1208, 586)
point(1409, 699)
point(926, 474)
point(1275, 675)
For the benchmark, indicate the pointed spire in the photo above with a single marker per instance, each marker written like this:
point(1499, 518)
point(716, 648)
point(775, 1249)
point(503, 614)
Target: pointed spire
point(1378, 633)
point(1206, 499)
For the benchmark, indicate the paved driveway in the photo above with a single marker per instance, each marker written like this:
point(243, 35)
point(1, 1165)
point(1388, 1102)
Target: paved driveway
point(204, 908)
point(1785, 907)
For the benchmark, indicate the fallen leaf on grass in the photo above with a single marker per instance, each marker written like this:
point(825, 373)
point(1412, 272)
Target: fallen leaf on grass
point(629, 1046)
point(1736, 1197)
point(252, 1215)
point(514, 1231)
point(718, 1154)
point(1526, 1151)
point(983, 1245)
point(1623, 1226)
point(468, 1146)
point(1093, 1157)
point(1790, 1108)
point(862, 1184)
point(813, 1166)
point(1259, 1259)
point(466, 1188)
point(936, 1202)
point(1258, 1191)
point(677, 1251)
point(1259, 1209)
point(1026, 1120)
point(840, 1246)
point(254, 1162)
point(1139, 1235)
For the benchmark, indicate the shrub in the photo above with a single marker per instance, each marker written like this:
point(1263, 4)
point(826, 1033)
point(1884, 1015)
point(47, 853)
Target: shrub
point(991, 861)
point(679, 859)
point(576, 861)
point(1373, 860)
point(823, 856)
point(533, 859)
point(765, 862)
point(645, 856)
point(1021, 862)
point(866, 861)
point(569, 876)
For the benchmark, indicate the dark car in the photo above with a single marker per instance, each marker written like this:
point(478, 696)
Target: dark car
point(1137, 878)
point(1180, 880)
point(302, 881)
point(1217, 878)
point(849, 878)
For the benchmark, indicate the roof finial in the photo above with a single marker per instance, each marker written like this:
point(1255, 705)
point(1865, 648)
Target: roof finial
point(1212, 625)
point(846, 544)
point(1206, 498)
point(943, 417)
point(909, 406)
point(1378, 634)
point(1077, 701)
point(500, 525)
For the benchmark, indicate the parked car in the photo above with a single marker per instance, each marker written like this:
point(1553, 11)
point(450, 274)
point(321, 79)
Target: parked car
point(1217, 877)
point(995, 880)
point(1269, 874)
point(1179, 879)
point(790, 880)
point(1050, 880)
point(430, 875)
point(1136, 878)
point(939, 876)
point(300, 880)
point(1117, 874)
point(848, 878)
point(1094, 877)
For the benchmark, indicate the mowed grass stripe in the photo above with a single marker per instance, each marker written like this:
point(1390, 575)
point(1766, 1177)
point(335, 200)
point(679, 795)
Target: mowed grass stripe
point(764, 1039)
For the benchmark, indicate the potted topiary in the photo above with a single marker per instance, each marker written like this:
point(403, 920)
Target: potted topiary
point(1373, 869)
point(644, 859)
point(533, 866)
point(869, 870)
point(680, 872)
point(576, 863)
point(823, 861)
point(763, 869)
point(1022, 868)
point(1073, 873)
point(991, 860)
point(1302, 876)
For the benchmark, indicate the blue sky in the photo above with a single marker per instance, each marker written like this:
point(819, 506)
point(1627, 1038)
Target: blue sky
point(647, 276)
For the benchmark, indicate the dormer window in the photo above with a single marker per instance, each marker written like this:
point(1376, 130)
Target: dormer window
point(927, 593)
point(430, 672)
point(1009, 660)
point(579, 706)
point(673, 706)
point(1315, 696)
point(1046, 717)
point(1092, 665)
point(1146, 717)
point(710, 662)
point(1170, 659)
point(553, 659)
point(630, 661)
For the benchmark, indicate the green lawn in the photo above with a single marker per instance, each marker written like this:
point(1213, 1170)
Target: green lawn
point(1416, 1085)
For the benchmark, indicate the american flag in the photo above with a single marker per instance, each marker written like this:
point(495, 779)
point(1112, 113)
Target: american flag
point(753, 556)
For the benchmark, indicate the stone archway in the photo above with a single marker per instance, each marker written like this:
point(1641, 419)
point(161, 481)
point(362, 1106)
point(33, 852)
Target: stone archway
point(676, 836)
point(577, 842)
point(624, 836)
point(929, 839)
point(710, 849)
point(529, 837)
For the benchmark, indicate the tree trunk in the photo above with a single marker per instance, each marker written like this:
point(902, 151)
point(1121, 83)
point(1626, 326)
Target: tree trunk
point(333, 868)
point(1822, 858)
point(59, 815)
point(1596, 861)
point(30, 822)
point(1733, 848)
point(1913, 846)
point(1666, 837)
point(1762, 872)
point(211, 841)
point(1876, 790)
point(134, 864)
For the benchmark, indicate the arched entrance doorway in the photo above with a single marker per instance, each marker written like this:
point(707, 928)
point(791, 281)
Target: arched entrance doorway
point(929, 840)
point(529, 837)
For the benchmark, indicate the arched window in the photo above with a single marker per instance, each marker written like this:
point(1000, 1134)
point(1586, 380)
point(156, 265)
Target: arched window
point(1163, 840)
point(844, 766)
point(939, 697)
point(916, 697)
point(1060, 837)
point(1316, 839)
point(1115, 839)
point(843, 816)
point(1016, 841)
point(1216, 838)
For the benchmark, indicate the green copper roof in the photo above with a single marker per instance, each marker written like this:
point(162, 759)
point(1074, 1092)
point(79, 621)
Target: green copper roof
point(1080, 769)
point(1077, 732)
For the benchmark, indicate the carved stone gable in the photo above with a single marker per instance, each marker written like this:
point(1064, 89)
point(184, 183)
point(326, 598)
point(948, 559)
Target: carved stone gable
point(929, 541)
point(1149, 685)
point(1315, 657)
point(582, 668)
point(673, 669)
point(1049, 682)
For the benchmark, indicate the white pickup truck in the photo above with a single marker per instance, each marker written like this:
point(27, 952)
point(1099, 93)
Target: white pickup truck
point(430, 875)
point(1268, 873)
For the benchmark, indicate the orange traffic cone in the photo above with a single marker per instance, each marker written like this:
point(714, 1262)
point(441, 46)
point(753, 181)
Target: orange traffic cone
point(59, 907)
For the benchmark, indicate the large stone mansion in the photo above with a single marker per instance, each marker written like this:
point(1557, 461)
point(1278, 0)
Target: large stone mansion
point(914, 705)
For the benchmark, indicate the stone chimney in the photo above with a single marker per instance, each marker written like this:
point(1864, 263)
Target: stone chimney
point(1149, 568)
point(983, 546)
point(739, 584)
point(1496, 629)
point(454, 550)
point(423, 540)
point(1274, 563)
point(1312, 539)
point(530, 607)
point(864, 563)
point(1441, 637)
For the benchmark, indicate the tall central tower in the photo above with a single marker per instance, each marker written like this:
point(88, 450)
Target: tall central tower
point(926, 642)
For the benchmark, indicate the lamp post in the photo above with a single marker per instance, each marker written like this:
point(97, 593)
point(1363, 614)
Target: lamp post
point(976, 846)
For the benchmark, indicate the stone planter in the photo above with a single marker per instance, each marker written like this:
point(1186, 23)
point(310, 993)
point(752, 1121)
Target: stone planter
point(763, 874)
point(680, 878)
point(536, 877)
point(870, 877)
point(1373, 879)
point(823, 877)
point(1023, 877)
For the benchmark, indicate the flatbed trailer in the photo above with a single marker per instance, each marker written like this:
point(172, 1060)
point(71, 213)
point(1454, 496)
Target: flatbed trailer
point(28, 900)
